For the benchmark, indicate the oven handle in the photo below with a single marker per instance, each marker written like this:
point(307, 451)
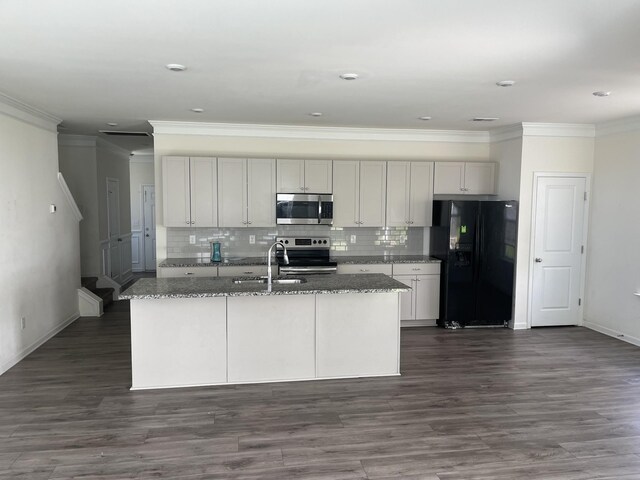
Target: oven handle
point(319, 210)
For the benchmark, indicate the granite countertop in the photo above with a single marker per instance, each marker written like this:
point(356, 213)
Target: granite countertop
point(205, 262)
point(385, 259)
point(156, 288)
point(253, 261)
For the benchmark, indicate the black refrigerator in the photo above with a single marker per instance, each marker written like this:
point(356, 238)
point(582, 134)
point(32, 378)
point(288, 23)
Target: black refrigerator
point(476, 242)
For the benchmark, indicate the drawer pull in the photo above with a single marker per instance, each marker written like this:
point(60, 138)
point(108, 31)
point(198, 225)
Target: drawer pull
point(188, 273)
point(416, 269)
point(247, 273)
point(364, 269)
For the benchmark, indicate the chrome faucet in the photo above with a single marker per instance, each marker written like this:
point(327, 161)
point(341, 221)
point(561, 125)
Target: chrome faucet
point(286, 261)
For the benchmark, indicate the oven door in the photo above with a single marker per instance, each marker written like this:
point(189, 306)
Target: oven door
point(299, 209)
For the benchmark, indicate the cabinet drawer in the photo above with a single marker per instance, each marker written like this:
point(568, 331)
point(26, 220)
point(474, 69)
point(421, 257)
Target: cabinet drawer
point(249, 271)
point(416, 268)
point(385, 268)
point(166, 272)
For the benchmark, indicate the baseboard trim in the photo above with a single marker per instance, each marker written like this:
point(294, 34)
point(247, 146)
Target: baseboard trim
point(613, 333)
point(38, 343)
point(417, 323)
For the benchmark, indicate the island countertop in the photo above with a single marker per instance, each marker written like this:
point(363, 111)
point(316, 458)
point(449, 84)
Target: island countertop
point(198, 287)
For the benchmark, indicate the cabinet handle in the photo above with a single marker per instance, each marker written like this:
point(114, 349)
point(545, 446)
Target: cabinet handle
point(416, 269)
point(247, 273)
point(364, 269)
point(301, 188)
point(187, 222)
point(249, 223)
point(188, 273)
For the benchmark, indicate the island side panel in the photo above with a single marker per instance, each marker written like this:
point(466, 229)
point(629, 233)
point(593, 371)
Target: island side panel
point(271, 338)
point(358, 335)
point(178, 342)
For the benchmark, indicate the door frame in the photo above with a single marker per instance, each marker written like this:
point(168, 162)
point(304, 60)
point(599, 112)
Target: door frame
point(144, 251)
point(585, 231)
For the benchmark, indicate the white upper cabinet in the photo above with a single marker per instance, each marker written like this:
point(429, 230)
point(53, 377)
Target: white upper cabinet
point(359, 193)
point(409, 194)
point(465, 178)
point(304, 176)
point(261, 192)
point(246, 192)
point(189, 192)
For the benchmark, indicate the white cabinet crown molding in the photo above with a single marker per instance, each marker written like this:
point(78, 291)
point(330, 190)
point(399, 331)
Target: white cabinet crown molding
point(162, 127)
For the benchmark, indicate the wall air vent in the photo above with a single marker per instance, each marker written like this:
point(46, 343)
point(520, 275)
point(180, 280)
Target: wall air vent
point(484, 119)
point(122, 133)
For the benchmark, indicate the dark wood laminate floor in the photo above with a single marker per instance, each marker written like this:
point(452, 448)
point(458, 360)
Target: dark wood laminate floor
point(473, 404)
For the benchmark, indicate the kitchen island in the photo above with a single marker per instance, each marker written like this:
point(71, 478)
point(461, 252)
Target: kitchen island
point(212, 331)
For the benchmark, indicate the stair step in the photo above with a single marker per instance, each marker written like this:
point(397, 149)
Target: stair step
point(106, 294)
point(89, 282)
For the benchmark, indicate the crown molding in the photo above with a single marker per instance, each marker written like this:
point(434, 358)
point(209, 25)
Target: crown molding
point(558, 130)
point(69, 140)
point(15, 108)
point(623, 125)
point(162, 127)
point(101, 142)
point(509, 132)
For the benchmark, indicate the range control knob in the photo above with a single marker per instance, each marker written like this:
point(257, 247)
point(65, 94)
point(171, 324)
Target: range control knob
point(286, 242)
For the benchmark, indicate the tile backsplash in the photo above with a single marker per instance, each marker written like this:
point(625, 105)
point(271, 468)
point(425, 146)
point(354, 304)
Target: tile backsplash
point(235, 241)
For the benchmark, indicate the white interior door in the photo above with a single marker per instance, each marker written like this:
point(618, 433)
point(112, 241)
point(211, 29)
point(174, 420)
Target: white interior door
point(113, 227)
point(558, 241)
point(149, 226)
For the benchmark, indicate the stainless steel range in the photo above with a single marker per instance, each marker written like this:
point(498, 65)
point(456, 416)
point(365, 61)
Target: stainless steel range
point(307, 255)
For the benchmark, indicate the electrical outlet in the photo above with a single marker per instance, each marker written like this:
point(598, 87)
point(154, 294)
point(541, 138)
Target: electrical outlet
point(192, 239)
point(23, 323)
point(353, 239)
point(252, 239)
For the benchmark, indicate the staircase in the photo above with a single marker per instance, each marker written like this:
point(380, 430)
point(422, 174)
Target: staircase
point(106, 294)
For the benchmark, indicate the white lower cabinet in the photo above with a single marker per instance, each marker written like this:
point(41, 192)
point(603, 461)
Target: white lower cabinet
point(271, 338)
point(168, 272)
point(420, 306)
point(356, 338)
point(178, 342)
point(248, 271)
point(384, 268)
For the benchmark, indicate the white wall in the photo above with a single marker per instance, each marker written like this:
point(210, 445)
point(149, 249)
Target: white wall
point(39, 259)
point(113, 162)
point(508, 155)
point(280, 147)
point(542, 154)
point(78, 164)
point(613, 256)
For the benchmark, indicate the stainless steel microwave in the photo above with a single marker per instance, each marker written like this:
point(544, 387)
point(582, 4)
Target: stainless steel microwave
point(304, 209)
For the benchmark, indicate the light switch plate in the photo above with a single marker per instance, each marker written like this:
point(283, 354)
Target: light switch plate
point(353, 239)
point(252, 239)
point(192, 239)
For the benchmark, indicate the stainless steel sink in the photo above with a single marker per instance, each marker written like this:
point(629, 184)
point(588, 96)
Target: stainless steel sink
point(276, 281)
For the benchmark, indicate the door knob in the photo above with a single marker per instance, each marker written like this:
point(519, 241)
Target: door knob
point(538, 260)
point(147, 235)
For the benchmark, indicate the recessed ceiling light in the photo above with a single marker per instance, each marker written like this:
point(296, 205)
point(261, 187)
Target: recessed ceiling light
point(601, 93)
point(424, 118)
point(176, 67)
point(197, 110)
point(484, 119)
point(316, 114)
point(112, 124)
point(506, 83)
point(349, 76)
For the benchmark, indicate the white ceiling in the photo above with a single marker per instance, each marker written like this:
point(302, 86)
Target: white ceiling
point(273, 62)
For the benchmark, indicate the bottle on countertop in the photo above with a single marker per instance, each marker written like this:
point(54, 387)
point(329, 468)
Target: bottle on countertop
point(215, 252)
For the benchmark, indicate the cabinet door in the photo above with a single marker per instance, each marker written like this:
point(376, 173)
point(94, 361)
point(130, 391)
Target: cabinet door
point(232, 192)
point(479, 178)
point(175, 191)
point(261, 192)
point(346, 187)
point(407, 299)
point(204, 199)
point(373, 193)
point(448, 177)
point(318, 176)
point(421, 194)
point(398, 193)
point(427, 293)
point(290, 176)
